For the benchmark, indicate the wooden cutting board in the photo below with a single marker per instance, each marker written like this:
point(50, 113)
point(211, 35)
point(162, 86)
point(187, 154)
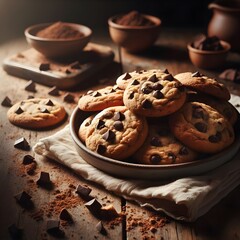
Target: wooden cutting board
point(26, 65)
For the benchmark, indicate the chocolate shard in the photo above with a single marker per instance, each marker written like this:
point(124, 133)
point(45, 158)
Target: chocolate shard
point(27, 159)
point(24, 200)
point(83, 191)
point(109, 213)
point(127, 76)
point(15, 232)
point(53, 229)
point(44, 110)
point(69, 98)
point(109, 136)
point(22, 143)
point(6, 102)
point(94, 207)
point(44, 180)
point(54, 91)
point(100, 228)
point(44, 67)
point(196, 74)
point(19, 110)
point(65, 215)
point(75, 65)
point(31, 86)
point(49, 103)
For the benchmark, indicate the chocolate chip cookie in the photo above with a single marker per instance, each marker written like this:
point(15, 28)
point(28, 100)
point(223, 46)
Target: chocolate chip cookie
point(103, 98)
point(116, 132)
point(154, 94)
point(161, 147)
point(82, 132)
point(36, 113)
point(202, 128)
point(201, 83)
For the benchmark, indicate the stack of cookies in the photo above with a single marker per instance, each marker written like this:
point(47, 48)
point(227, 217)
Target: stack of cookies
point(155, 118)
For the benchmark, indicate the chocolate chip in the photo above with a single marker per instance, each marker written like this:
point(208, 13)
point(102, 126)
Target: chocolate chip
point(101, 149)
point(6, 102)
point(22, 143)
point(94, 207)
point(67, 71)
point(53, 228)
point(118, 125)
point(135, 82)
point(96, 94)
point(112, 91)
point(196, 74)
point(157, 86)
point(49, 103)
point(131, 95)
point(69, 98)
point(31, 86)
point(172, 157)
point(84, 192)
point(65, 215)
point(166, 71)
point(158, 94)
point(75, 65)
point(54, 91)
point(44, 180)
point(44, 67)
point(108, 115)
point(153, 78)
point(100, 228)
point(146, 104)
point(197, 112)
point(30, 97)
point(183, 151)
point(101, 124)
point(155, 159)
point(168, 77)
point(90, 92)
point(119, 116)
point(201, 127)
point(215, 138)
point(24, 200)
point(146, 90)
point(19, 110)
point(127, 76)
point(155, 141)
point(27, 159)
point(109, 136)
point(44, 110)
point(15, 232)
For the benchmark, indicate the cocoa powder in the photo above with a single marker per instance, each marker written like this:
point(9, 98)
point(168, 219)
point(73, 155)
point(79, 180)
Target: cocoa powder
point(60, 30)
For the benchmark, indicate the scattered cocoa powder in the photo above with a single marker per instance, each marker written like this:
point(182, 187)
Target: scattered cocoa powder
point(30, 168)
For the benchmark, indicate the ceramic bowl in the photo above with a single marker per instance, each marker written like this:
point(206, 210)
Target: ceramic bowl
point(134, 38)
point(146, 172)
point(208, 59)
point(54, 48)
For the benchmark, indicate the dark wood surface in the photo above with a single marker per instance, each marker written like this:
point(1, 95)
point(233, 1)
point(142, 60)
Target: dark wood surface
point(221, 222)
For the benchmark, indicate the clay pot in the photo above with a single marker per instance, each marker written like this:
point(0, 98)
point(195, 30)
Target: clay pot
point(225, 22)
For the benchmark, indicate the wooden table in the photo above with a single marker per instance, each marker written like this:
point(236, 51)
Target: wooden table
point(222, 222)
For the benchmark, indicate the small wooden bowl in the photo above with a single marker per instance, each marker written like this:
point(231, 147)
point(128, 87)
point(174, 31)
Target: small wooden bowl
point(208, 59)
point(54, 48)
point(134, 38)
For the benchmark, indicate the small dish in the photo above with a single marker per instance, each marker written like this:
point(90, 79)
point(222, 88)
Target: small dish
point(148, 172)
point(208, 59)
point(54, 48)
point(134, 38)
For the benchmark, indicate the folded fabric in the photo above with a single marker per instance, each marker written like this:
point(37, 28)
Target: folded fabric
point(183, 199)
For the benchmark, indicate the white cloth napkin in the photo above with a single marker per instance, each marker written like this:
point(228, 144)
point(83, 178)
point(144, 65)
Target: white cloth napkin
point(183, 199)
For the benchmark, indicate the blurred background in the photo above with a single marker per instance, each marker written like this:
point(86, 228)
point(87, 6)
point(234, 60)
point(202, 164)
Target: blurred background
point(16, 15)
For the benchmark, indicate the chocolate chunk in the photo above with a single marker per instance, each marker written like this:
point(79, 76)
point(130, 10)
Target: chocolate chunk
point(118, 125)
point(155, 159)
point(49, 103)
point(44, 110)
point(54, 91)
point(155, 141)
point(19, 110)
point(131, 95)
point(24, 200)
point(75, 65)
point(153, 78)
point(157, 86)
point(101, 149)
point(127, 76)
point(108, 213)
point(146, 90)
point(196, 74)
point(119, 116)
point(108, 115)
point(15, 232)
point(84, 191)
point(44, 180)
point(6, 102)
point(100, 228)
point(201, 127)
point(69, 98)
point(94, 207)
point(183, 151)
point(44, 67)
point(22, 143)
point(53, 229)
point(96, 94)
point(31, 86)
point(135, 82)
point(65, 215)
point(168, 77)
point(30, 97)
point(158, 94)
point(172, 157)
point(101, 124)
point(208, 43)
point(67, 71)
point(146, 104)
point(215, 138)
point(27, 159)
point(109, 136)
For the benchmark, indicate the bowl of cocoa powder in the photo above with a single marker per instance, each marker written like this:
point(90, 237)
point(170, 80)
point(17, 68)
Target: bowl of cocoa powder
point(134, 31)
point(59, 39)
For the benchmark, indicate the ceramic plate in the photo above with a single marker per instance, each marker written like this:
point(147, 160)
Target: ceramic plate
point(148, 172)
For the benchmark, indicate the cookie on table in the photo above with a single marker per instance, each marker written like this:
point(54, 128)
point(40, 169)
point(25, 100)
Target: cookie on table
point(161, 147)
point(201, 127)
point(102, 98)
point(201, 83)
point(82, 132)
point(116, 132)
point(36, 113)
point(154, 94)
